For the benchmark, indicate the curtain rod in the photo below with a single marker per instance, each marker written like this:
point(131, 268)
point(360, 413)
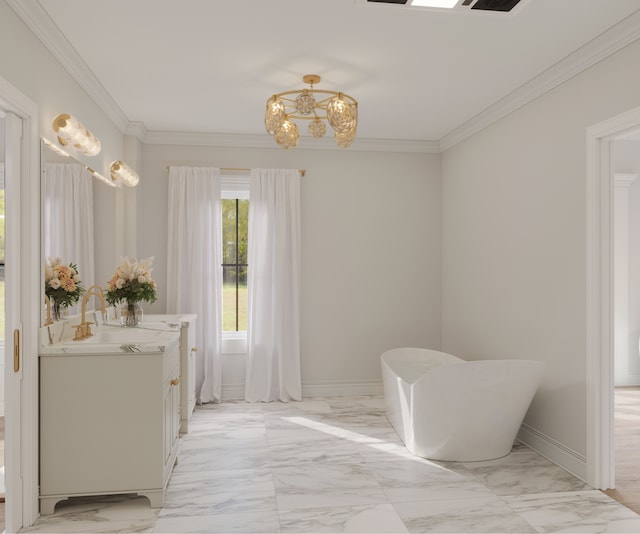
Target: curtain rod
point(301, 171)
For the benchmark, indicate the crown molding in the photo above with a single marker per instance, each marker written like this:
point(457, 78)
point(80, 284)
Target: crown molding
point(137, 129)
point(37, 20)
point(305, 143)
point(615, 38)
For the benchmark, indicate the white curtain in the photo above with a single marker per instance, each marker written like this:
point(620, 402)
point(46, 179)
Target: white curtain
point(273, 363)
point(68, 219)
point(194, 270)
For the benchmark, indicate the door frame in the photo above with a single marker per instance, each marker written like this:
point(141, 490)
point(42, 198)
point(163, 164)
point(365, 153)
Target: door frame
point(24, 401)
point(599, 301)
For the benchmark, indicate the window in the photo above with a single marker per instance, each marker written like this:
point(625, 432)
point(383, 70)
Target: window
point(235, 215)
point(235, 228)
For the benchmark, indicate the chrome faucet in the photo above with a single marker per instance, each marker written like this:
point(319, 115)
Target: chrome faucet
point(83, 330)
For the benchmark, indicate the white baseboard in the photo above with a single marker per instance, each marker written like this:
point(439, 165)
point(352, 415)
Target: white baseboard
point(232, 392)
point(554, 451)
point(630, 380)
point(342, 388)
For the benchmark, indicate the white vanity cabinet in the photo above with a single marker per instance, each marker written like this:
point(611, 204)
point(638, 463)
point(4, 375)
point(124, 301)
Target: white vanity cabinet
point(109, 423)
point(188, 355)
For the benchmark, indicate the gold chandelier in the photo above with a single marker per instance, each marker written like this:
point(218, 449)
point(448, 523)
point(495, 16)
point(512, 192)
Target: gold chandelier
point(339, 109)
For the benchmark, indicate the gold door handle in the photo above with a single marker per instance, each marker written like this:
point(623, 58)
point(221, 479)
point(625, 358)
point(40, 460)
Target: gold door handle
point(16, 350)
point(194, 349)
point(175, 381)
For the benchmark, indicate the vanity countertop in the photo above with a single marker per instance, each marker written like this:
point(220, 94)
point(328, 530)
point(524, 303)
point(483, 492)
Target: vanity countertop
point(110, 338)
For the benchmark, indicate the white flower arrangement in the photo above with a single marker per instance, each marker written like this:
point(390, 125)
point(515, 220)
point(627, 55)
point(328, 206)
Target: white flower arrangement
point(132, 282)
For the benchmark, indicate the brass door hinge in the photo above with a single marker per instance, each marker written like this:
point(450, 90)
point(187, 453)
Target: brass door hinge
point(16, 350)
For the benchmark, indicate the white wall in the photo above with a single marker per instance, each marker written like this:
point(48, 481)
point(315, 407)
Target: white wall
point(370, 253)
point(514, 255)
point(626, 164)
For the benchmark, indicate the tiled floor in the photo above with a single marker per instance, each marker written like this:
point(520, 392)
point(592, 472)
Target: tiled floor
point(336, 465)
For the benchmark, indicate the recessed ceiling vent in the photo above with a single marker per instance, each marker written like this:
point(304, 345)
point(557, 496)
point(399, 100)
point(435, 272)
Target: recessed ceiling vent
point(496, 6)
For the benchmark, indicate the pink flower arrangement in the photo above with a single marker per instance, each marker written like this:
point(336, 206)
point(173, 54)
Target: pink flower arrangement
point(62, 282)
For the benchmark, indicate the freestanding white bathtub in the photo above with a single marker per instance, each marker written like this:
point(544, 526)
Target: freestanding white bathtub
point(445, 408)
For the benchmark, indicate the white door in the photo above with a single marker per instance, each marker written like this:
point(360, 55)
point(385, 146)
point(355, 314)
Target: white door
point(13, 326)
point(23, 304)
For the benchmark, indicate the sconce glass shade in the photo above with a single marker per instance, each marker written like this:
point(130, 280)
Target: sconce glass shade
point(121, 172)
point(274, 115)
point(287, 136)
point(71, 132)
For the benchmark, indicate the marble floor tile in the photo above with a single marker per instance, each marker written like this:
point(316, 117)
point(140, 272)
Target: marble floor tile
point(470, 515)
point(336, 465)
point(306, 406)
point(330, 499)
point(406, 481)
point(309, 484)
point(324, 477)
point(330, 450)
point(581, 511)
point(367, 518)
point(260, 522)
point(214, 425)
point(213, 455)
point(213, 492)
point(504, 476)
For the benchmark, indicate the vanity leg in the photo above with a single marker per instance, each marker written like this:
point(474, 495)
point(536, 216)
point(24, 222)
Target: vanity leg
point(156, 498)
point(48, 504)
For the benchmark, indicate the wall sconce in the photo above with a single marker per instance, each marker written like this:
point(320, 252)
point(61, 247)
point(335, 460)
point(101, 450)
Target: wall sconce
point(71, 132)
point(55, 148)
point(122, 173)
point(99, 176)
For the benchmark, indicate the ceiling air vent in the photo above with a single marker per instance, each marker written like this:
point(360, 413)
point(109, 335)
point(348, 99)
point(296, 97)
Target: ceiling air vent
point(490, 6)
point(495, 5)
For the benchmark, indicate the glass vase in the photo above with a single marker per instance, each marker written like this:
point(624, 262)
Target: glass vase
point(130, 314)
point(56, 310)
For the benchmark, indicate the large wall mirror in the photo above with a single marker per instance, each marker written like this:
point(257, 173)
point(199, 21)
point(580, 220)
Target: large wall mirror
point(67, 213)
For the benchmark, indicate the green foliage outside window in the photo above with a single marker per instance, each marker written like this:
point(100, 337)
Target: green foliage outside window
point(1, 225)
point(235, 238)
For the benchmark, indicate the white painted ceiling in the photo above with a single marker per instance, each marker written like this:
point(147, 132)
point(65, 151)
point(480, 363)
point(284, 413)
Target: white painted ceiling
point(208, 66)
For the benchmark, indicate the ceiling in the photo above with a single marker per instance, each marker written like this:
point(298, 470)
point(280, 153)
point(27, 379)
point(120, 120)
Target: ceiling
point(208, 66)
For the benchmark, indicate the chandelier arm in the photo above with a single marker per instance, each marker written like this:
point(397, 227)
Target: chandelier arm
point(306, 117)
point(345, 96)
